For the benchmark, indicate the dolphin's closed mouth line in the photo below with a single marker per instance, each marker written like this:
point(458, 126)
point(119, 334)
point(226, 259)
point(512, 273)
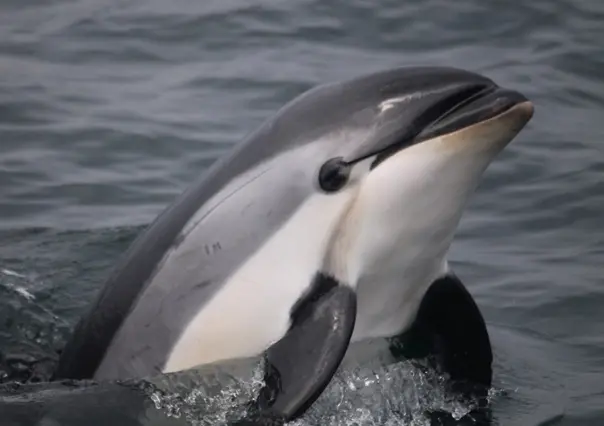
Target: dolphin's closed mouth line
point(482, 106)
point(477, 95)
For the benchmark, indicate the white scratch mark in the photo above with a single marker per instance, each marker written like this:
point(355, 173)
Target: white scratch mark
point(389, 103)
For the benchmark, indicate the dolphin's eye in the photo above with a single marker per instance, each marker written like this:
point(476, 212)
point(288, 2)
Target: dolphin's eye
point(334, 174)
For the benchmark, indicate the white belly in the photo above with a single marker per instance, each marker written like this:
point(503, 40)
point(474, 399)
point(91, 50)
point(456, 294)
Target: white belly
point(252, 309)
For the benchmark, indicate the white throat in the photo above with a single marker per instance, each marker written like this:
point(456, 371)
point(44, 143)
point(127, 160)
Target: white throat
point(393, 242)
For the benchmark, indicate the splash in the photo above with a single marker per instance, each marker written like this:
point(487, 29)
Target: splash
point(403, 393)
point(209, 396)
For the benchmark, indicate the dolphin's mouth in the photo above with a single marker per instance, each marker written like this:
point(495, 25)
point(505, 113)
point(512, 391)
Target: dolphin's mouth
point(479, 105)
point(461, 109)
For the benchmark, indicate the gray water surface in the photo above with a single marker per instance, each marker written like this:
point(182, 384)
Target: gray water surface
point(108, 109)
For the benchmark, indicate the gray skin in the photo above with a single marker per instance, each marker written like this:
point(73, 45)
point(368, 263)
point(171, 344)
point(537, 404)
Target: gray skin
point(136, 319)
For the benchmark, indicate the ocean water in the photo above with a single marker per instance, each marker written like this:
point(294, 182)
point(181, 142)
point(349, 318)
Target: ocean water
point(109, 108)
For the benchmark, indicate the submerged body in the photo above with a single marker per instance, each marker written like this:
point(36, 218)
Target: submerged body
point(354, 188)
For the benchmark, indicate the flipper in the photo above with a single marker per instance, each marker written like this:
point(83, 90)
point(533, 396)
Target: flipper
point(449, 326)
point(301, 364)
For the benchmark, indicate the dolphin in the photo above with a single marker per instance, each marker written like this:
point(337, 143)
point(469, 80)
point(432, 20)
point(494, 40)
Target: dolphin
point(326, 227)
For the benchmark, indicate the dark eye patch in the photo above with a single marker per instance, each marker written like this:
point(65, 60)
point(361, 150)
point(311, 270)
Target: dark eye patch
point(334, 174)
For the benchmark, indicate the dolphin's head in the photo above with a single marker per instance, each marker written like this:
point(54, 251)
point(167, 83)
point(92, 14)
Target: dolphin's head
point(409, 149)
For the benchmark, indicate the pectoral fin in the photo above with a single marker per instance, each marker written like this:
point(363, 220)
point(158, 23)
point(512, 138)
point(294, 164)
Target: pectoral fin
point(301, 364)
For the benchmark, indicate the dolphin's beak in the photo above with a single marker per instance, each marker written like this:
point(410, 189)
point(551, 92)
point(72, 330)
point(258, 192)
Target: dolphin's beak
point(484, 105)
point(431, 102)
